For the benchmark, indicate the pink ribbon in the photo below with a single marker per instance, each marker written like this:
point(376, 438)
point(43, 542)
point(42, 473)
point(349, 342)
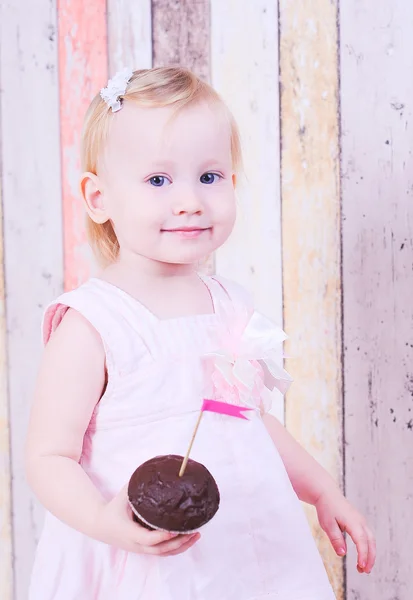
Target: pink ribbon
point(223, 408)
point(246, 369)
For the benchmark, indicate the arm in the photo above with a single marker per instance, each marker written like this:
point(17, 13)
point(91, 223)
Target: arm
point(315, 486)
point(307, 476)
point(70, 384)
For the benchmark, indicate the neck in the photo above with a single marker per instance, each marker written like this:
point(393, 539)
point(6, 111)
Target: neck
point(135, 265)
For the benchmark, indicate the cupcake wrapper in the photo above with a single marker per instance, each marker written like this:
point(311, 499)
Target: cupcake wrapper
point(135, 512)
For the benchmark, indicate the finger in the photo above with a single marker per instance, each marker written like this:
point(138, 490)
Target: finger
point(144, 537)
point(336, 537)
point(372, 551)
point(185, 546)
point(168, 546)
point(121, 497)
point(137, 534)
point(359, 537)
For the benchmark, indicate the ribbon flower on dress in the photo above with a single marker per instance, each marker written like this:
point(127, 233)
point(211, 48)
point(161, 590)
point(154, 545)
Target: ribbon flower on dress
point(246, 370)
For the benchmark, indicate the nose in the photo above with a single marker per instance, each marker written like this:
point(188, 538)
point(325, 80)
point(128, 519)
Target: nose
point(187, 201)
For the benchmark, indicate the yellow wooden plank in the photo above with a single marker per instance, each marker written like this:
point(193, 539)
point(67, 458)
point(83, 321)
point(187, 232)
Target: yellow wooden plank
point(6, 542)
point(311, 237)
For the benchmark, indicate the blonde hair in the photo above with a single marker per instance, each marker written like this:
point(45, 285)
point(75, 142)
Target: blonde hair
point(158, 87)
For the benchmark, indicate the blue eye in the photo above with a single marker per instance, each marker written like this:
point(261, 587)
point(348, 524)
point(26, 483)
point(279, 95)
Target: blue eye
point(159, 181)
point(209, 178)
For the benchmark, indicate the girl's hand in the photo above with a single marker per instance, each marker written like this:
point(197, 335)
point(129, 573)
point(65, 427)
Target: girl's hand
point(336, 516)
point(114, 526)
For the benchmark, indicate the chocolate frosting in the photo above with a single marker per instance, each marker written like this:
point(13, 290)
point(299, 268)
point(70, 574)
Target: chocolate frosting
point(167, 501)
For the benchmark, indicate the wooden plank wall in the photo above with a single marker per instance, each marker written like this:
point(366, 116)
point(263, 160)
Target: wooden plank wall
point(6, 541)
point(240, 72)
point(129, 34)
point(83, 70)
point(311, 237)
point(377, 165)
point(338, 281)
point(32, 226)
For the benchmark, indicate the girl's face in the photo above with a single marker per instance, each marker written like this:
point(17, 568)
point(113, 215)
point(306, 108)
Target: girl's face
point(166, 182)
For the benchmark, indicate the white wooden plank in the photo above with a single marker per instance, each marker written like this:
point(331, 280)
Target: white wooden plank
point(129, 34)
point(6, 541)
point(244, 70)
point(377, 150)
point(32, 228)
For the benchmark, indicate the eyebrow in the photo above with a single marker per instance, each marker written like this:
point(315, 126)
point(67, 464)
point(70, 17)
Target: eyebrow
point(170, 164)
point(162, 163)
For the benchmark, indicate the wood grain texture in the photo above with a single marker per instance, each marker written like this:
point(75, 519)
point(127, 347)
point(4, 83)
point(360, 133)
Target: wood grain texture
point(377, 154)
point(32, 229)
point(180, 32)
point(246, 75)
point(82, 73)
point(129, 35)
point(6, 536)
point(311, 237)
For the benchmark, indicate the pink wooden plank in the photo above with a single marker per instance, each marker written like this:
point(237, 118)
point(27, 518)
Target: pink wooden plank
point(83, 71)
point(377, 151)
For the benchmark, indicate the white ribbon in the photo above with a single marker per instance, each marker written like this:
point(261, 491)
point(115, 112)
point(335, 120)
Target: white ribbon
point(259, 342)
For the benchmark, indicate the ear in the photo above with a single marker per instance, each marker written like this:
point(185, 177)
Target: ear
point(234, 180)
point(92, 194)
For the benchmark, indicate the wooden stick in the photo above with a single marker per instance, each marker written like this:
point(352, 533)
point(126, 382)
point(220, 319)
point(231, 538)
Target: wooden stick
point(185, 461)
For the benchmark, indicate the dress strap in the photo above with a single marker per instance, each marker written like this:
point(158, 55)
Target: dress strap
point(116, 322)
point(232, 299)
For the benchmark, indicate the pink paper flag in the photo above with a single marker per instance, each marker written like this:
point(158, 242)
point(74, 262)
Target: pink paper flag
point(223, 408)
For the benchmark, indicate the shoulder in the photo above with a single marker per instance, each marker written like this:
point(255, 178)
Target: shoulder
point(74, 347)
point(84, 308)
point(74, 325)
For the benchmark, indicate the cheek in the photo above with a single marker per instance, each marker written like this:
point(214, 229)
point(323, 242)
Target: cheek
point(226, 210)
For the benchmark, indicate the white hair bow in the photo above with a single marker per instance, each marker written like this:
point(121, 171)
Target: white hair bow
point(116, 88)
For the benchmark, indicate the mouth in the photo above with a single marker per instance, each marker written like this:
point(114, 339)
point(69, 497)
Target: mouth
point(187, 232)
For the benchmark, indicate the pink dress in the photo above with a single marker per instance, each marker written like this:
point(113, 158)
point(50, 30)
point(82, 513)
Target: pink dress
point(258, 546)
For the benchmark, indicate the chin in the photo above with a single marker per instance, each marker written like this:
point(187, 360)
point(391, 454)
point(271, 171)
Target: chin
point(186, 258)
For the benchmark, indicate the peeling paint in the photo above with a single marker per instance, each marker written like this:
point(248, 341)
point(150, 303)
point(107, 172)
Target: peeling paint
point(83, 72)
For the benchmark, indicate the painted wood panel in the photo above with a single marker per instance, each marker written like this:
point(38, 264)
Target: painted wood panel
point(6, 539)
point(181, 34)
point(32, 229)
point(83, 70)
point(246, 75)
point(129, 35)
point(311, 237)
point(377, 130)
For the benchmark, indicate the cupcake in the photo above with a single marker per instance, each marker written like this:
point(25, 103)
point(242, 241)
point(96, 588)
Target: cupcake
point(161, 499)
